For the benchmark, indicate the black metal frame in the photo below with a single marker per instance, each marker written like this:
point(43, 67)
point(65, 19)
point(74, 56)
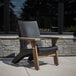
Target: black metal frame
point(60, 19)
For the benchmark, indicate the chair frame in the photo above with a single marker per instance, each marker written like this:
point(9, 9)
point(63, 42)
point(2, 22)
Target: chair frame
point(33, 41)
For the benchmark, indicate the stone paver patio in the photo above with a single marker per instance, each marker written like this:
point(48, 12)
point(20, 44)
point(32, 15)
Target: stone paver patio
point(66, 67)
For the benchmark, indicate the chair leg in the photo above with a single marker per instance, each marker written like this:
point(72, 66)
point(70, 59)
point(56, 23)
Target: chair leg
point(21, 55)
point(56, 59)
point(35, 56)
point(18, 58)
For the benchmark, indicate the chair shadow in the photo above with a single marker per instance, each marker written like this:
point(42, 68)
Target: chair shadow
point(22, 63)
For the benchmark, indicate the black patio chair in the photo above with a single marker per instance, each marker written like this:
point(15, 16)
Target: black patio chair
point(29, 34)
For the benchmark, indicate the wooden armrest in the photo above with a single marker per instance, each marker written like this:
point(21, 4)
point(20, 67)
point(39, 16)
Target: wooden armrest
point(29, 39)
point(48, 37)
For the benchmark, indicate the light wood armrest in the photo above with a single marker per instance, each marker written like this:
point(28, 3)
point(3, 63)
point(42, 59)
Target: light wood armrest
point(54, 39)
point(29, 39)
point(45, 37)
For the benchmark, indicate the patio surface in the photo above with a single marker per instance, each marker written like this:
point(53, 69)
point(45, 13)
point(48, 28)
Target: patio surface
point(66, 67)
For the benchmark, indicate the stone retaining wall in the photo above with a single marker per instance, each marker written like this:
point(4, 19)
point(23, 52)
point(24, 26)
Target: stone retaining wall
point(66, 47)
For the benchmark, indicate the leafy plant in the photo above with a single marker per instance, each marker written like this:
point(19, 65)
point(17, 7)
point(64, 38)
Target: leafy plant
point(72, 28)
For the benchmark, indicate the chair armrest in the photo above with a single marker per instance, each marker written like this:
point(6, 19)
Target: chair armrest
point(54, 39)
point(29, 39)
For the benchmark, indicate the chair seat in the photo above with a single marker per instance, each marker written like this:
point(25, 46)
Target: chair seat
point(47, 49)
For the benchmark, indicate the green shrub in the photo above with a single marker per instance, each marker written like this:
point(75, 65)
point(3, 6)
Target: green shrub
point(72, 28)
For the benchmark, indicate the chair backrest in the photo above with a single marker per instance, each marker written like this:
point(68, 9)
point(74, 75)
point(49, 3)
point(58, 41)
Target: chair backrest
point(28, 29)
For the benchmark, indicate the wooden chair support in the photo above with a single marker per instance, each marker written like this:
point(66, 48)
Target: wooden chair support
point(34, 49)
point(35, 55)
point(54, 41)
point(56, 58)
point(35, 52)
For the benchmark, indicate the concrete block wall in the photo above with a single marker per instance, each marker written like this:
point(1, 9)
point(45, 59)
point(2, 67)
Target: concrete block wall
point(66, 47)
point(8, 47)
